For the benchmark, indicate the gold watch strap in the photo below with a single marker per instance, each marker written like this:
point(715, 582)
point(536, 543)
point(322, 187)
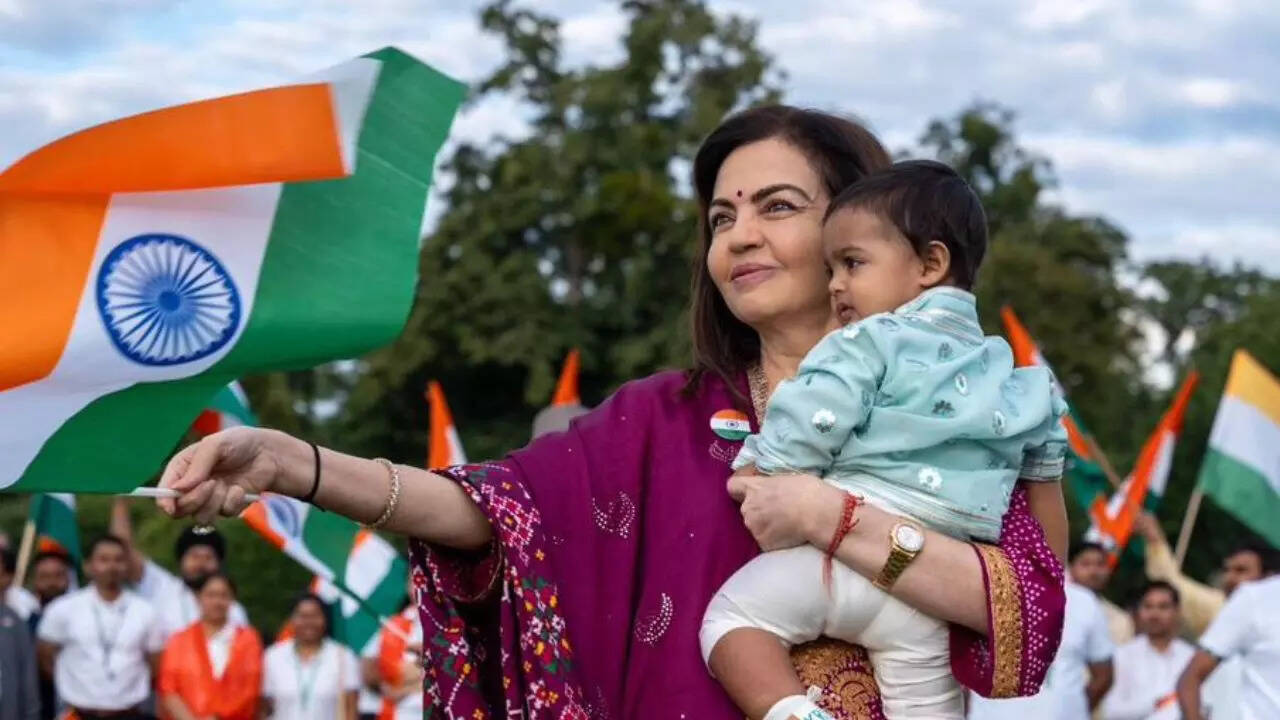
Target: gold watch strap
point(898, 561)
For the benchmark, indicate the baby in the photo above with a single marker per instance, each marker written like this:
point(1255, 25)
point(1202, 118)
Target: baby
point(908, 407)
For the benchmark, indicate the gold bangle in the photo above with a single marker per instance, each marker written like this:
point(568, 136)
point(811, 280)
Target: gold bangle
point(393, 497)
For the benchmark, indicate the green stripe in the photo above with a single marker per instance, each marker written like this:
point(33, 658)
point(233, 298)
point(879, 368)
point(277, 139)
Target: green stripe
point(385, 601)
point(337, 281)
point(54, 520)
point(228, 403)
point(329, 537)
point(1243, 491)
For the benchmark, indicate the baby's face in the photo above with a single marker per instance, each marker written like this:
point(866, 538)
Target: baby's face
point(873, 267)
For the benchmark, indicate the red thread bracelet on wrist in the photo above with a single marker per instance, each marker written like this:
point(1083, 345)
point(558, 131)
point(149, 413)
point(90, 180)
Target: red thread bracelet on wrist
point(847, 523)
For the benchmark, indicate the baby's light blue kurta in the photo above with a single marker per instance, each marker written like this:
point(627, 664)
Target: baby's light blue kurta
point(919, 413)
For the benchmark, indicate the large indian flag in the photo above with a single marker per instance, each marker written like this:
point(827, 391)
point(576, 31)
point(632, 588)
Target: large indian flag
point(1241, 469)
point(147, 262)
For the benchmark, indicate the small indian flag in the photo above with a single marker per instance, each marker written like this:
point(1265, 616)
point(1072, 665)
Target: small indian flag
point(444, 447)
point(54, 516)
point(372, 588)
point(147, 262)
point(229, 408)
point(1241, 469)
point(731, 424)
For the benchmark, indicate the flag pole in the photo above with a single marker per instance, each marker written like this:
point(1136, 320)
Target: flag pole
point(1096, 450)
point(1188, 522)
point(25, 549)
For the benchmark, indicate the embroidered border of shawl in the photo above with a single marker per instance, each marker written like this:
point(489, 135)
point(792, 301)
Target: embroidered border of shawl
point(1005, 596)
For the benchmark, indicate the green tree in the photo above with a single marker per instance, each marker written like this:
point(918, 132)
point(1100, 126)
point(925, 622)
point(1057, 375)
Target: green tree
point(577, 236)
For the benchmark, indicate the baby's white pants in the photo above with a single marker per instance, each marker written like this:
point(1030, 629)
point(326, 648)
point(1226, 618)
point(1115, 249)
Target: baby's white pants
point(782, 592)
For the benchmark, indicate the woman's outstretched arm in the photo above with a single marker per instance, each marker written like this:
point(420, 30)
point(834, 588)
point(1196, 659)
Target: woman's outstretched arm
point(215, 473)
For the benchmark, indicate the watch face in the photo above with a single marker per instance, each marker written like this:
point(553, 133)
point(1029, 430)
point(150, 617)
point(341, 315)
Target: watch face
point(909, 537)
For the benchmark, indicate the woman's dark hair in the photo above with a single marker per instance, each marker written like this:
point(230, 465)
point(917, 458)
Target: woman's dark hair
point(927, 202)
point(200, 584)
point(841, 152)
point(310, 597)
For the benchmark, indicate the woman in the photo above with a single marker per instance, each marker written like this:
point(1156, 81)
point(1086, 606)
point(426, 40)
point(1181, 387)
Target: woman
point(212, 669)
point(309, 676)
point(616, 533)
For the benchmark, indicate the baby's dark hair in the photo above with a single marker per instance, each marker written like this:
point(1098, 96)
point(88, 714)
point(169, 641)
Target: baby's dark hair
point(926, 201)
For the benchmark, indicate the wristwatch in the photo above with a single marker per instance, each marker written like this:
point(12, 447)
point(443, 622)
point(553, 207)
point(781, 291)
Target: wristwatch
point(906, 540)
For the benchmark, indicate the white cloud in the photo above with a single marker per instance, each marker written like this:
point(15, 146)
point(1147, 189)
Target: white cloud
point(1152, 112)
point(1211, 92)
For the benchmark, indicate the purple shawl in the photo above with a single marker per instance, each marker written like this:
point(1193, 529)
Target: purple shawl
point(610, 540)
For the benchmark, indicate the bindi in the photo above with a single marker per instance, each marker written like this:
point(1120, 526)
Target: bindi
point(739, 193)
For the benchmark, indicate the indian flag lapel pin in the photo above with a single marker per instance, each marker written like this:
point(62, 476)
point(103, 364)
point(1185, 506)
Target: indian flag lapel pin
point(730, 424)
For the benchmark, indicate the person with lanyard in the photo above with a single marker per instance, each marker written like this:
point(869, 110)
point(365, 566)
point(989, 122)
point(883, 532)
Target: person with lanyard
point(1147, 667)
point(198, 555)
point(212, 669)
point(51, 576)
point(393, 663)
point(102, 642)
point(309, 676)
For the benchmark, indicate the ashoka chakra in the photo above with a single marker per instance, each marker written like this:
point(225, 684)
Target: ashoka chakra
point(165, 300)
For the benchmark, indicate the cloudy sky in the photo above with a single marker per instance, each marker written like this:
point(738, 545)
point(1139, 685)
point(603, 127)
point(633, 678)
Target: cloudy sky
point(1162, 115)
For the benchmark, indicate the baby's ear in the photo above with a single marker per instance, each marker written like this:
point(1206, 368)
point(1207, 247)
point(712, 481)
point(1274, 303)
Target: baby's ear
point(935, 264)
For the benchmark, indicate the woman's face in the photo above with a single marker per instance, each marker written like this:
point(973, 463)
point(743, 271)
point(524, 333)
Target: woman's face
point(765, 217)
point(215, 600)
point(308, 622)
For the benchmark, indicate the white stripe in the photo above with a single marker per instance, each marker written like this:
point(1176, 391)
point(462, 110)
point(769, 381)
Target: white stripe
point(456, 455)
point(66, 499)
point(367, 567)
point(287, 517)
point(239, 393)
point(1163, 464)
point(1248, 436)
point(351, 87)
point(233, 224)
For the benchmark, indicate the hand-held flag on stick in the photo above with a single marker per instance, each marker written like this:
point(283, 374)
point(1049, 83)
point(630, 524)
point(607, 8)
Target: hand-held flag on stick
point(146, 262)
point(1112, 520)
point(1241, 469)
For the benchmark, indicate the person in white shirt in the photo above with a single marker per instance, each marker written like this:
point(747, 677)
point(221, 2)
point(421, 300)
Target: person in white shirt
point(198, 555)
point(1088, 566)
point(1248, 628)
point(309, 676)
point(1147, 667)
point(1079, 676)
point(102, 642)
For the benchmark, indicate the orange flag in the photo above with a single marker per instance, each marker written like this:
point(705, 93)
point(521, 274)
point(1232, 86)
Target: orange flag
point(444, 448)
point(567, 388)
point(1112, 518)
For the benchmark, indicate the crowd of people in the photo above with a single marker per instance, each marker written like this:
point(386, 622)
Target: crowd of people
point(1159, 658)
point(137, 641)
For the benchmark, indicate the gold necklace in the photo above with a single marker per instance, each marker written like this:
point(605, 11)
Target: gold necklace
point(759, 386)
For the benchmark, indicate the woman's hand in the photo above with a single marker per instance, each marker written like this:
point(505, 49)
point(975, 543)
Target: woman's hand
point(783, 511)
point(214, 474)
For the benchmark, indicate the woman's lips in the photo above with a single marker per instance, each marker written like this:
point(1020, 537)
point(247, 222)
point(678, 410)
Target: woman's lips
point(747, 277)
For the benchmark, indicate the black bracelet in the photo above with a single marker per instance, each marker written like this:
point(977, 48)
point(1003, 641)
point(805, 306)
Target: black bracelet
point(315, 484)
